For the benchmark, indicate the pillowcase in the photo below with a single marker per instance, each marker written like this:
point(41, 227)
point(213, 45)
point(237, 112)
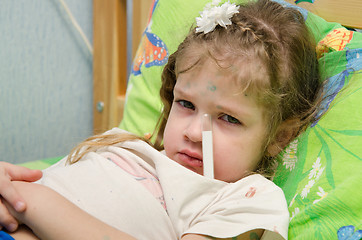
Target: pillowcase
point(320, 172)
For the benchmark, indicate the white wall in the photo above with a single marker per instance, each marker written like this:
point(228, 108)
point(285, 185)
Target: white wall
point(45, 78)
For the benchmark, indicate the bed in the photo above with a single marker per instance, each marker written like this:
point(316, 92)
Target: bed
point(320, 172)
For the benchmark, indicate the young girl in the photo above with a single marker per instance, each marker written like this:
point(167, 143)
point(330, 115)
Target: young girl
point(253, 69)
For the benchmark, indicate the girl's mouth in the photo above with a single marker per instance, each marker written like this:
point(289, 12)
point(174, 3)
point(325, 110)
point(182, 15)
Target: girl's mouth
point(190, 160)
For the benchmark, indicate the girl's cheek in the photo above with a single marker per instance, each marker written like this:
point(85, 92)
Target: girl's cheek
point(218, 152)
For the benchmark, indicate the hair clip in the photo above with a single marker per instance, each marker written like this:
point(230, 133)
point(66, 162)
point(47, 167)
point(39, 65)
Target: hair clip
point(214, 15)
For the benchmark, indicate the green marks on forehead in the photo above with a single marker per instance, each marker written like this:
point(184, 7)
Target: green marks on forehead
point(211, 87)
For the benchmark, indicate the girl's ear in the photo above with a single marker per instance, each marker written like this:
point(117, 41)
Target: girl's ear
point(286, 132)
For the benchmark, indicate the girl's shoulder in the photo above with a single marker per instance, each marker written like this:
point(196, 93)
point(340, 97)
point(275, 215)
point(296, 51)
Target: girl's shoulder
point(257, 182)
point(254, 198)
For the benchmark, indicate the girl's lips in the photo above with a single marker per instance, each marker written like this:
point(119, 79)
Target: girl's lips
point(190, 160)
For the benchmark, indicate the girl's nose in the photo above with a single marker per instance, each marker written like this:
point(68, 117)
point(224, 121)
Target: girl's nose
point(193, 131)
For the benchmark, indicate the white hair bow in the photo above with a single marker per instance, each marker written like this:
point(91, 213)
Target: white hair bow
point(214, 15)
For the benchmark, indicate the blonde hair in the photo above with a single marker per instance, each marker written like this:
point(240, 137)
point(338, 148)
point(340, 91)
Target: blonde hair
point(264, 31)
point(96, 142)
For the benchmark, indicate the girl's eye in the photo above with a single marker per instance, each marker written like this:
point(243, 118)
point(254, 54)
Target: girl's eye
point(186, 104)
point(230, 119)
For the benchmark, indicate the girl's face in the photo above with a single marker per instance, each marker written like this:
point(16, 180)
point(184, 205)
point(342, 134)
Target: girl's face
point(239, 126)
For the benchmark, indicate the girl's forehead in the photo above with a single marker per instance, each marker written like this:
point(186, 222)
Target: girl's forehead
point(242, 72)
point(206, 78)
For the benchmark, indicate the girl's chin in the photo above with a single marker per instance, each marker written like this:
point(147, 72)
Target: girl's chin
point(190, 163)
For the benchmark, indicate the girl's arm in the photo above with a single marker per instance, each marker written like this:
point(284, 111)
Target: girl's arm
point(8, 173)
point(250, 235)
point(50, 216)
point(23, 233)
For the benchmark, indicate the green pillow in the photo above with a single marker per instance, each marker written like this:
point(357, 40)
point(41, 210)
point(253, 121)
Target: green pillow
point(321, 170)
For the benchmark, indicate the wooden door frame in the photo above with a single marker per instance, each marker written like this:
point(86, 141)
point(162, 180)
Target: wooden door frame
point(110, 57)
point(109, 63)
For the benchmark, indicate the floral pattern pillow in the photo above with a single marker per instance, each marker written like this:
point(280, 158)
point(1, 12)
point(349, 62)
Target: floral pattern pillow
point(320, 171)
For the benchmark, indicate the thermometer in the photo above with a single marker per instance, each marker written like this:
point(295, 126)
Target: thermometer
point(207, 146)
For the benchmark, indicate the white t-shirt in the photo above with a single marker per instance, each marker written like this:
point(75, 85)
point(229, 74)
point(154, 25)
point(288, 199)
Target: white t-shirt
point(131, 201)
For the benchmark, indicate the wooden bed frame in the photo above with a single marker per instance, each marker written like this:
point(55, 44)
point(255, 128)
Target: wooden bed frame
point(346, 12)
point(110, 57)
point(110, 48)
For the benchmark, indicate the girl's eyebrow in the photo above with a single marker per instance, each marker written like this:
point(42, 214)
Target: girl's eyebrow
point(223, 107)
point(181, 90)
point(235, 112)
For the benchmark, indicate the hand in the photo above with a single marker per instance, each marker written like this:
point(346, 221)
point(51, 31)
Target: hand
point(8, 173)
